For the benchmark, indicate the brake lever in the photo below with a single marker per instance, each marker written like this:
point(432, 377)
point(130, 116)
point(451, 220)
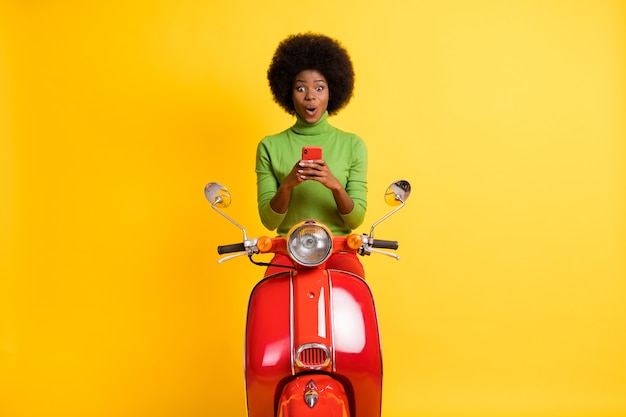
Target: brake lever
point(229, 257)
point(392, 255)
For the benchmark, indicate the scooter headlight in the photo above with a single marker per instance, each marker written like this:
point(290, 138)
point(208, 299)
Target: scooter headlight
point(309, 243)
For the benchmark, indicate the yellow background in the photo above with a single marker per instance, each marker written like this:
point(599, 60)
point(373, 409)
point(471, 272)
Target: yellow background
point(506, 116)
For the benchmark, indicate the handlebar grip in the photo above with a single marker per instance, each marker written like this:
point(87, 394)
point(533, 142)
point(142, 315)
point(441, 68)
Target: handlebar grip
point(235, 247)
point(385, 244)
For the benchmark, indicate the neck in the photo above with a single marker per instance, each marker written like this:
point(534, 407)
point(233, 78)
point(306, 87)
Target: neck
point(304, 128)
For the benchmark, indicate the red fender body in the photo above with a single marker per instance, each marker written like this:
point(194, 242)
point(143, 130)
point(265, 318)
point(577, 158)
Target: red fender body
point(329, 397)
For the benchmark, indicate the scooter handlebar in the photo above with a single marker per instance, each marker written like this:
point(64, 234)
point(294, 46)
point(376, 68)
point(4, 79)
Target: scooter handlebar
point(240, 247)
point(385, 244)
point(235, 247)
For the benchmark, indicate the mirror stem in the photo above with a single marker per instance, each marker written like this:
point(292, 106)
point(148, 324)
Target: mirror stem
point(383, 219)
point(217, 200)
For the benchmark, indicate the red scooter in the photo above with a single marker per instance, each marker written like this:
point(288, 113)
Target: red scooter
point(312, 343)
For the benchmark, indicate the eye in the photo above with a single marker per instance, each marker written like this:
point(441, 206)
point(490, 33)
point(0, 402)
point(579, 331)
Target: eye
point(300, 89)
point(319, 88)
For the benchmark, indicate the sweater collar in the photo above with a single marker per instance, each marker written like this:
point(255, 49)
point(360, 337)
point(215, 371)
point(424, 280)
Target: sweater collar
point(303, 128)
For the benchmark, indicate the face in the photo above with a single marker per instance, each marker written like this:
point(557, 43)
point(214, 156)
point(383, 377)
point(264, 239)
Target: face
point(310, 95)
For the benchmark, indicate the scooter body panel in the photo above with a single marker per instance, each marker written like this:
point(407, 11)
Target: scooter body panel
point(267, 344)
point(357, 349)
point(313, 307)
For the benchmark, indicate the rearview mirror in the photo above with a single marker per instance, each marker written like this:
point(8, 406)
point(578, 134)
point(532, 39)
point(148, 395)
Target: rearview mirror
point(217, 195)
point(397, 193)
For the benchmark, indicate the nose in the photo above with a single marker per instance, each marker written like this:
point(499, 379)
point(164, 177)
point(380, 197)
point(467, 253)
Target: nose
point(310, 95)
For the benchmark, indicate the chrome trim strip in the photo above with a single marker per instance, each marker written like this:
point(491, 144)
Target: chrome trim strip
point(291, 324)
point(347, 273)
point(331, 321)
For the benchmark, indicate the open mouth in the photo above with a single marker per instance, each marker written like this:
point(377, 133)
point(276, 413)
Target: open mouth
point(311, 110)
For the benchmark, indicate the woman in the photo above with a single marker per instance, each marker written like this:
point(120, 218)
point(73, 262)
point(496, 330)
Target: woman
point(311, 77)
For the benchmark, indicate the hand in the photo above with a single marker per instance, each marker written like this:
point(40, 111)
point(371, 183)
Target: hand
point(280, 202)
point(294, 178)
point(317, 170)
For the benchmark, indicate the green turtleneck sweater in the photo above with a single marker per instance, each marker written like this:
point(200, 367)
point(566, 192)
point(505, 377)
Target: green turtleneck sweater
point(346, 157)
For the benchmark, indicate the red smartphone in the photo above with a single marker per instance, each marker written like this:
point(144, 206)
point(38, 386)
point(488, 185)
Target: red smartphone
point(311, 153)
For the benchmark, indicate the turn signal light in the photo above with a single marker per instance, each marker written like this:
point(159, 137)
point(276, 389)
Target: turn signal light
point(264, 244)
point(354, 241)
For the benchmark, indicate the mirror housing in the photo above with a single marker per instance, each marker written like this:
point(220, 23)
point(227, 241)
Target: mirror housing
point(219, 197)
point(217, 194)
point(397, 193)
point(395, 196)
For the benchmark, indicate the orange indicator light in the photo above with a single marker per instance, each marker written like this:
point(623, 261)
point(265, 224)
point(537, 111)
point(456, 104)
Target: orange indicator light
point(264, 244)
point(354, 241)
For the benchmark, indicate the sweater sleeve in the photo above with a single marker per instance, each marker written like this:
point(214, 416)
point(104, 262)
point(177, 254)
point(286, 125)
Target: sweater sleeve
point(267, 185)
point(356, 186)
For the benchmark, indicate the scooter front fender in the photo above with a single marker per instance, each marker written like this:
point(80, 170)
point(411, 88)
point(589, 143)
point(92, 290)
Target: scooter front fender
point(314, 395)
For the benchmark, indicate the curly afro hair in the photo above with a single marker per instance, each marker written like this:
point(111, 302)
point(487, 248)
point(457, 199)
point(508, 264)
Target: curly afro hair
point(311, 51)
